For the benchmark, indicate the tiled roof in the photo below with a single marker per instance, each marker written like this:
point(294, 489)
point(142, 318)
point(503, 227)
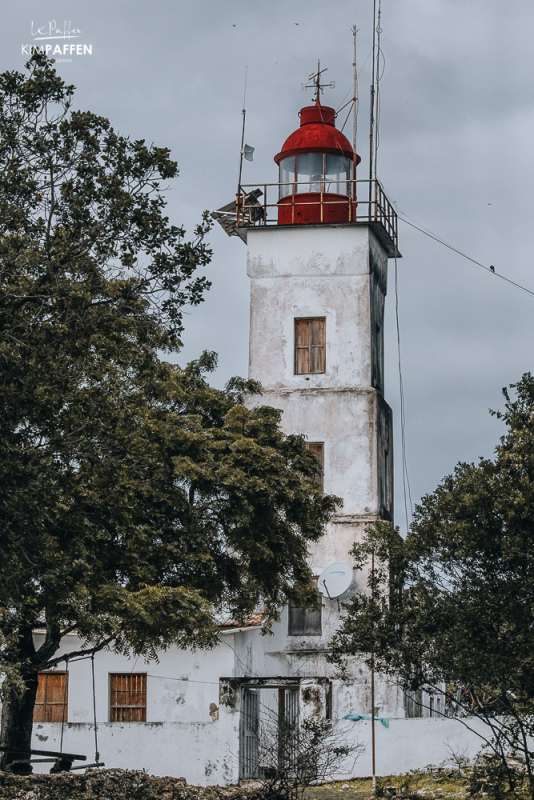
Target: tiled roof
point(254, 621)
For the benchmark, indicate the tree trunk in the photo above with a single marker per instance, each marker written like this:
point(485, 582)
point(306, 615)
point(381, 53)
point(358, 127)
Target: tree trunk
point(17, 720)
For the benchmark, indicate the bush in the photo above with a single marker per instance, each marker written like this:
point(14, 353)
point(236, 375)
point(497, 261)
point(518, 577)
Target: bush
point(105, 784)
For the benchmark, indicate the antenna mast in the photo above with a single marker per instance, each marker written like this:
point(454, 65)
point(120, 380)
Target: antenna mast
point(244, 112)
point(377, 95)
point(354, 110)
point(371, 113)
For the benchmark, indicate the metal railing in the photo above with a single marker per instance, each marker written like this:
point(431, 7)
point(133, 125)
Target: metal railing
point(367, 203)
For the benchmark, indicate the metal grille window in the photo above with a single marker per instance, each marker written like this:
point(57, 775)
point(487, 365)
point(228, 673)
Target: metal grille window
point(249, 734)
point(310, 345)
point(304, 621)
point(317, 448)
point(127, 694)
point(52, 697)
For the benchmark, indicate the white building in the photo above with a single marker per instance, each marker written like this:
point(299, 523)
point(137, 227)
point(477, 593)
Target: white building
point(317, 264)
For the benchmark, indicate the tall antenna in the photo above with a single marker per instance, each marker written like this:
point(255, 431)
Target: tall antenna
point(377, 94)
point(371, 112)
point(354, 110)
point(242, 153)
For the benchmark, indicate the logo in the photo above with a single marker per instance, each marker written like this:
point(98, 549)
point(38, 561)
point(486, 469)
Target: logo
point(56, 39)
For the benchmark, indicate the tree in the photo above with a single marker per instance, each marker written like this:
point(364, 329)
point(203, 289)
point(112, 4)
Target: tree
point(295, 755)
point(136, 501)
point(453, 603)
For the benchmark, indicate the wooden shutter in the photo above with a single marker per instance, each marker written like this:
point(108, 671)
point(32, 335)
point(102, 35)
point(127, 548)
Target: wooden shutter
point(317, 448)
point(51, 703)
point(310, 345)
point(127, 692)
point(317, 344)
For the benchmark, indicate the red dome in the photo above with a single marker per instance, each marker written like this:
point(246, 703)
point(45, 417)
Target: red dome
point(317, 134)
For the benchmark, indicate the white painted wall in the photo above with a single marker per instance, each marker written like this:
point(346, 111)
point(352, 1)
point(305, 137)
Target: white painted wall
point(206, 753)
point(310, 272)
point(179, 738)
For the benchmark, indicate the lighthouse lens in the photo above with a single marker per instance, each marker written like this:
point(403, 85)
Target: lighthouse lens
point(337, 173)
point(287, 176)
point(309, 172)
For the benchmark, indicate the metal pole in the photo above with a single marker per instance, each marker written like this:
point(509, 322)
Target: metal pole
point(373, 747)
point(377, 95)
point(371, 109)
point(242, 135)
point(354, 118)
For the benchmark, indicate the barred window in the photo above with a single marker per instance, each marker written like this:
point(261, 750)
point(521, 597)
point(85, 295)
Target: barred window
point(127, 697)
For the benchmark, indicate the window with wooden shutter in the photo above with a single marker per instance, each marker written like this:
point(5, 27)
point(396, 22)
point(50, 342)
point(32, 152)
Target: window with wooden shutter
point(317, 448)
point(127, 695)
point(51, 702)
point(310, 345)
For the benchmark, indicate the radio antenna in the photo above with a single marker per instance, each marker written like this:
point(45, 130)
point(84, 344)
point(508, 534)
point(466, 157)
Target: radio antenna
point(371, 112)
point(377, 96)
point(354, 109)
point(242, 152)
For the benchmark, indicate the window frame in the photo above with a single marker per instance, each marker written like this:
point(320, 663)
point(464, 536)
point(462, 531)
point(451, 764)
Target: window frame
point(47, 704)
point(305, 611)
point(316, 352)
point(317, 448)
point(116, 708)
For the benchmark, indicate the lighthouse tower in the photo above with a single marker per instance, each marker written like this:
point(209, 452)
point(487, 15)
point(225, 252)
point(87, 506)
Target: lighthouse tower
point(317, 262)
point(318, 243)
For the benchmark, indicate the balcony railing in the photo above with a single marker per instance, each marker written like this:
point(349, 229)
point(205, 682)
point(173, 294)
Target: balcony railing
point(257, 206)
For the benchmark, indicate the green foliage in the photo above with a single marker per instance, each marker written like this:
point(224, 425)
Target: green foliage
point(137, 502)
point(465, 615)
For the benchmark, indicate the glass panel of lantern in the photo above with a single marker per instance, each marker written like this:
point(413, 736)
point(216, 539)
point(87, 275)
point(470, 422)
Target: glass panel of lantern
point(337, 171)
point(287, 176)
point(309, 172)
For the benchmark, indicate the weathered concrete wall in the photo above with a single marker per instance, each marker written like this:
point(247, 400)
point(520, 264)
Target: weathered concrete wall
point(318, 271)
point(413, 743)
point(339, 273)
point(182, 735)
point(204, 753)
point(180, 687)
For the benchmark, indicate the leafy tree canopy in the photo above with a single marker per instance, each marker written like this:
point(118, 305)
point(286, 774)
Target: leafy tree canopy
point(453, 603)
point(136, 501)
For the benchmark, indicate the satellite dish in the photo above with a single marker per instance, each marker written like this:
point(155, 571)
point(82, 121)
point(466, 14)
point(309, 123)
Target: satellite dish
point(334, 580)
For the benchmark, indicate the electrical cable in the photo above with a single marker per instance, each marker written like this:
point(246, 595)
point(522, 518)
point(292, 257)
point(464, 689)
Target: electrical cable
point(464, 255)
point(182, 680)
point(405, 478)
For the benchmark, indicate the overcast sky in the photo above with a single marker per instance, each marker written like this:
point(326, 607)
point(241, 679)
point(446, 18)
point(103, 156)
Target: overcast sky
point(456, 156)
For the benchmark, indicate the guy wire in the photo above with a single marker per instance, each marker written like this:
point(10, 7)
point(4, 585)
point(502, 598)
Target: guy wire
point(405, 479)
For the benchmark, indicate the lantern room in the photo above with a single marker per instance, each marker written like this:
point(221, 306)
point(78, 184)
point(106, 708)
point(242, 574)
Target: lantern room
point(317, 171)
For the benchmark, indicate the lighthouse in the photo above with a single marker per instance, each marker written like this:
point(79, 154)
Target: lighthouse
point(318, 243)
